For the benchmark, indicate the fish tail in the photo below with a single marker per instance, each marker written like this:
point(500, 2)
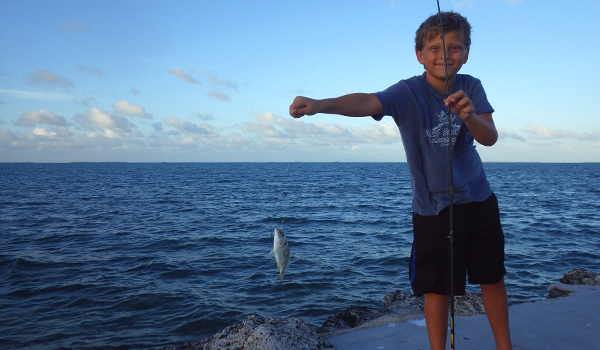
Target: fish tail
point(280, 276)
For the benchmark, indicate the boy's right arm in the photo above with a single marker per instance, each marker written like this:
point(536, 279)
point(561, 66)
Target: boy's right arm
point(352, 105)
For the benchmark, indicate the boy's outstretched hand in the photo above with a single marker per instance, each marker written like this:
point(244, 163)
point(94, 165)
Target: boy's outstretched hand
point(304, 106)
point(481, 126)
point(460, 105)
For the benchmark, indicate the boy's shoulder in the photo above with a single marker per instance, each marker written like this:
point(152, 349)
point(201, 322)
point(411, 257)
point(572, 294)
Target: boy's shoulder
point(466, 78)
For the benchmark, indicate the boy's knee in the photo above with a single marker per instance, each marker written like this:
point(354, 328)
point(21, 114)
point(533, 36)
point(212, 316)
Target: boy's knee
point(436, 298)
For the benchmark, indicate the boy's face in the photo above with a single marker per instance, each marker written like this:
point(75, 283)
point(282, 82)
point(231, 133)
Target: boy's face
point(432, 57)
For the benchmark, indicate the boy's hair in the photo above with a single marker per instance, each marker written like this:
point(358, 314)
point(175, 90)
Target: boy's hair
point(451, 21)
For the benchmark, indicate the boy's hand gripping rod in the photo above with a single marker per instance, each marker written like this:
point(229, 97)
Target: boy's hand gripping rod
point(450, 189)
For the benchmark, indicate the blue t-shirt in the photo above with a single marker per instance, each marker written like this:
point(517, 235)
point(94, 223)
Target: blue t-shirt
point(420, 113)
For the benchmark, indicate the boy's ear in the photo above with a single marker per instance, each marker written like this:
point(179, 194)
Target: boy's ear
point(420, 56)
point(466, 55)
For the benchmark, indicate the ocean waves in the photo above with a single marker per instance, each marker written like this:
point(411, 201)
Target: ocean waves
point(135, 256)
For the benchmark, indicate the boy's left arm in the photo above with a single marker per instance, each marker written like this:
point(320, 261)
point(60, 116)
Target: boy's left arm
point(480, 125)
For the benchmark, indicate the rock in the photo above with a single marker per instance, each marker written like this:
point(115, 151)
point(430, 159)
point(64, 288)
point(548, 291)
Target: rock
point(357, 315)
point(581, 276)
point(468, 305)
point(401, 302)
point(351, 317)
point(555, 292)
point(332, 323)
point(257, 333)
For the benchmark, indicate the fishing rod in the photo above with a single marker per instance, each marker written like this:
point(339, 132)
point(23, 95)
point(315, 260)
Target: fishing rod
point(450, 189)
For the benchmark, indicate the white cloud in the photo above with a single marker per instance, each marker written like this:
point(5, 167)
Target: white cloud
point(52, 132)
point(95, 71)
point(158, 126)
point(37, 95)
point(7, 137)
point(179, 73)
point(214, 81)
point(41, 116)
point(48, 79)
point(87, 102)
point(275, 129)
point(127, 108)
point(104, 120)
point(544, 132)
point(218, 95)
point(186, 127)
point(504, 134)
point(266, 136)
point(72, 25)
point(205, 116)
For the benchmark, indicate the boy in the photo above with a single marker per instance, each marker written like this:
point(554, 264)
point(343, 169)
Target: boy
point(418, 106)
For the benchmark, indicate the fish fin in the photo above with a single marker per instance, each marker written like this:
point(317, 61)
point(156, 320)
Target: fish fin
point(280, 276)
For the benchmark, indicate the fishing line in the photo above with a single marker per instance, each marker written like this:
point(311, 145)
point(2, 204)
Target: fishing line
point(450, 189)
point(286, 187)
point(317, 59)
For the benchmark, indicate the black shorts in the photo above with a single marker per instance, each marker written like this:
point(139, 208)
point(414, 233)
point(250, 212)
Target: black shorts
point(478, 248)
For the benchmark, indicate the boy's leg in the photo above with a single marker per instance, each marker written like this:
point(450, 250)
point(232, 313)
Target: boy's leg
point(436, 318)
point(496, 309)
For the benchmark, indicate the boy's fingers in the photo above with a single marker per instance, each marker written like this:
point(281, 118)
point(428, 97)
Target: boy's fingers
point(298, 108)
point(296, 113)
point(296, 105)
point(457, 96)
point(463, 102)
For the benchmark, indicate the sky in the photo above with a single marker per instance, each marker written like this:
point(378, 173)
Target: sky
point(212, 81)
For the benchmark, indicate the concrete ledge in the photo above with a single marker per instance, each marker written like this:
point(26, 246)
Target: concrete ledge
point(571, 322)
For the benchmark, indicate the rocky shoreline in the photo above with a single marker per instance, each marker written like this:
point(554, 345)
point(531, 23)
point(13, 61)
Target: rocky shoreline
point(257, 333)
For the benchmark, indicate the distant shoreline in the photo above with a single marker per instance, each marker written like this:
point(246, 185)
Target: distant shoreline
point(268, 162)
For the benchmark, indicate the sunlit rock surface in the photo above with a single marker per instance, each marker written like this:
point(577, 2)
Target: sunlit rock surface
point(581, 276)
point(257, 333)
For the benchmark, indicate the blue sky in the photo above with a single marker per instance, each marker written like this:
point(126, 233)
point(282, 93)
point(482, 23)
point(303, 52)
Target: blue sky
point(195, 81)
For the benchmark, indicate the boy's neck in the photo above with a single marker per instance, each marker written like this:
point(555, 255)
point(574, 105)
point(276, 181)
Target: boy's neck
point(440, 84)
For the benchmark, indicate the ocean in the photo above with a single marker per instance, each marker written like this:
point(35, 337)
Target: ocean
point(142, 255)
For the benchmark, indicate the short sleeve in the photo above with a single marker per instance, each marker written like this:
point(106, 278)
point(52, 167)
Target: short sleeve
point(479, 98)
point(394, 100)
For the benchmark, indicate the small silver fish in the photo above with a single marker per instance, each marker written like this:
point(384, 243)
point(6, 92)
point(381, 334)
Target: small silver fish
point(281, 249)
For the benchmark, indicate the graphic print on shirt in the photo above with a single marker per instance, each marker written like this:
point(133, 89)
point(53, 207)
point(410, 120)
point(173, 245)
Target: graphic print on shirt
point(439, 133)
